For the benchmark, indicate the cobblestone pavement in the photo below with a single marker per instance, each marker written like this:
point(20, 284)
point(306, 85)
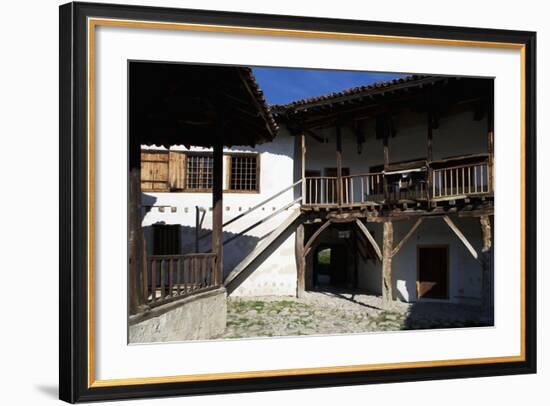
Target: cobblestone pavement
point(338, 313)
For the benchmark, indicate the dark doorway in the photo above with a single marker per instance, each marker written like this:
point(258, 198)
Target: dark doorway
point(330, 266)
point(433, 272)
point(166, 239)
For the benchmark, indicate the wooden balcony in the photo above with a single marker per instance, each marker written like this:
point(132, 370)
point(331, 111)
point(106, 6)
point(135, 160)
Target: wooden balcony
point(461, 181)
point(439, 182)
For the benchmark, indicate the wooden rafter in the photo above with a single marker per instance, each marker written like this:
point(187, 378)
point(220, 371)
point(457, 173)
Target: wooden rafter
point(369, 236)
point(315, 136)
point(461, 236)
point(316, 234)
point(406, 238)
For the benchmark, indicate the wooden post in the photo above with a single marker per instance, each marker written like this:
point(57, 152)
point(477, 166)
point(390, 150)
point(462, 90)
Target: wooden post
point(339, 164)
point(386, 165)
point(300, 261)
point(429, 154)
point(303, 164)
point(486, 289)
point(490, 147)
point(387, 247)
point(429, 150)
point(134, 227)
point(217, 206)
point(197, 228)
point(144, 269)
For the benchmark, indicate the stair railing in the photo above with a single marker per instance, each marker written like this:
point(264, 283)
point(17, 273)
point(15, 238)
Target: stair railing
point(257, 206)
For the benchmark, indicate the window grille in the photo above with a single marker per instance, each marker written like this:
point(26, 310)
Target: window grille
point(199, 172)
point(243, 173)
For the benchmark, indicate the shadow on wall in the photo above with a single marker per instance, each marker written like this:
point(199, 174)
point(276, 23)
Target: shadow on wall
point(403, 291)
point(259, 259)
point(234, 252)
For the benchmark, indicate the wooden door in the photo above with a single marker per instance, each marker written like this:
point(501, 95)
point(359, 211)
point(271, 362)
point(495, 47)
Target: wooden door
point(433, 272)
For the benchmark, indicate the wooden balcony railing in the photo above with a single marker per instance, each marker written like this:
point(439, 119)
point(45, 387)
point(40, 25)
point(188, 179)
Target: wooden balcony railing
point(353, 189)
point(321, 190)
point(362, 188)
point(463, 180)
point(413, 191)
point(417, 185)
point(169, 277)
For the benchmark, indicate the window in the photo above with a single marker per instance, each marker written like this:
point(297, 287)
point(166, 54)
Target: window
point(183, 171)
point(243, 172)
point(154, 171)
point(199, 172)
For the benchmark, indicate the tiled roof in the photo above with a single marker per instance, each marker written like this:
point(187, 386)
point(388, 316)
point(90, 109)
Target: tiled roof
point(354, 92)
point(259, 95)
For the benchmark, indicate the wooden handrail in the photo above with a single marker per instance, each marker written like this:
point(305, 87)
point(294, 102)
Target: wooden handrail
point(270, 215)
point(469, 179)
point(257, 206)
point(170, 277)
point(461, 166)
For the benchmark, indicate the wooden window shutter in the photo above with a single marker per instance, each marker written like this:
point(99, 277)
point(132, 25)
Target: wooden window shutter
point(176, 169)
point(154, 171)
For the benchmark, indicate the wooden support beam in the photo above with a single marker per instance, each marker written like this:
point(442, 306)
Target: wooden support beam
point(315, 136)
point(369, 237)
point(490, 144)
point(386, 165)
point(300, 261)
point(387, 289)
point(429, 139)
point(386, 151)
point(315, 235)
point(429, 156)
point(339, 164)
point(461, 236)
point(135, 232)
point(217, 205)
point(406, 238)
point(303, 165)
point(486, 259)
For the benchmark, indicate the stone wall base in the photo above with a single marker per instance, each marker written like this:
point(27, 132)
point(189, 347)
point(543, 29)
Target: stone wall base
point(197, 317)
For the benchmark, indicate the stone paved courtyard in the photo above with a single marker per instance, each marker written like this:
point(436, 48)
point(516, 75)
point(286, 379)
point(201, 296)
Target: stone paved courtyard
point(338, 313)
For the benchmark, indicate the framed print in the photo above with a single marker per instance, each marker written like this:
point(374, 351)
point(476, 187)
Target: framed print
point(255, 202)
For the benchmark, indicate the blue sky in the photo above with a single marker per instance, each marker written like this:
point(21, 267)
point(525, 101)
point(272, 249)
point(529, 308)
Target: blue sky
point(283, 85)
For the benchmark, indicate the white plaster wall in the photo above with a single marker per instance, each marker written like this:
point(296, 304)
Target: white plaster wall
point(276, 274)
point(464, 271)
point(458, 134)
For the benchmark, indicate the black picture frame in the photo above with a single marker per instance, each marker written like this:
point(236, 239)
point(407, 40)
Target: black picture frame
point(74, 199)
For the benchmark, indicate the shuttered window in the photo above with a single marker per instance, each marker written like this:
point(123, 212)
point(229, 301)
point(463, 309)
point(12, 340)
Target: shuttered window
point(244, 171)
point(154, 171)
point(183, 171)
point(176, 170)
